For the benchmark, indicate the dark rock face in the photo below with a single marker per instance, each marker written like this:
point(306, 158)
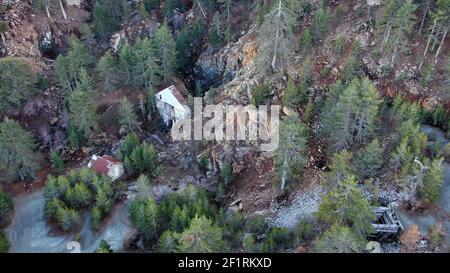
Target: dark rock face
point(209, 70)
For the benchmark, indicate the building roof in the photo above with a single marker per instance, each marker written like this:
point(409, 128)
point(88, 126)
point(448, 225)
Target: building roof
point(176, 93)
point(102, 164)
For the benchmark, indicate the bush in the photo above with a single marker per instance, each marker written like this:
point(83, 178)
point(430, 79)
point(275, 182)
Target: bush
point(303, 231)
point(104, 247)
point(4, 244)
point(6, 206)
point(257, 225)
point(57, 162)
point(226, 174)
point(260, 95)
point(281, 237)
point(67, 218)
point(142, 158)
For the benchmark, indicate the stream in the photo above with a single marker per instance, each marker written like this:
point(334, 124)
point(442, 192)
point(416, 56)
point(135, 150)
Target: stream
point(30, 232)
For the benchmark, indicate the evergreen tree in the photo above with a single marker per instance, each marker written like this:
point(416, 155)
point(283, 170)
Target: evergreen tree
point(340, 169)
point(127, 63)
point(346, 205)
point(57, 161)
point(306, 42)
point(202, 236)
point(183, 48)
point(16, 83)
point(142, 158)
point(128, 119)
point(146, 72)
point(18, 156)
point(107, 69)
point(88, 39)
point(339, 239)
point(289, 158)
point(370, 159)
point(106, 17)
point(294, 94)
point(6, 206)
point(85, 83)
point(352, 117)
point(82, 113)
point(166, 48)
point(78, 196)
point(143, 215)
point(104, 247)
point(168, 242)
point(432, 181)
point(320, 24)
point(67, 218)
point(130, 143)
point(4, 243)
point(276, 37)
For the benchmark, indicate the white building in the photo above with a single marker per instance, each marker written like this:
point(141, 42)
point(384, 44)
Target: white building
point(172, 105)
point(107, 165)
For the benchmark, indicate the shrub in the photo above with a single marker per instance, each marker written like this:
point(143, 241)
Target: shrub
point(4, 244)
point(6, 206)
point(257, 225)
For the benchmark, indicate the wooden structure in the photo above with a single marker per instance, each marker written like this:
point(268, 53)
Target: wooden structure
point(387, 225)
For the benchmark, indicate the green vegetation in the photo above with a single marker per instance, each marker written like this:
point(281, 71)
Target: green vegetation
point(16, 83)
point(67, 195)
point(18, 157)
point(6, 206)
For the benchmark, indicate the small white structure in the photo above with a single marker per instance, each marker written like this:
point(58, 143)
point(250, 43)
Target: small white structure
point(172, 105)
point(107, 165)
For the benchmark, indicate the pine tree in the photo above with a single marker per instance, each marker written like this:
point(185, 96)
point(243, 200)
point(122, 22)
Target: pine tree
point(57, 161)
point(351, 119)
point(183, 48)
point(276, 37)
point(107, 69)
point(78, 196)
point(88, 39)
point(128, 62)
point(294, 95)
point(432, 181)
point(16, 83)
point(147, 71)
point(104, 247)
point(6, 206)
point(67, 218)
point(128, 119)
point(130, 143)
point(339, 239)
point(18, 156)
point(347, 205)
point(143, 186)
point(306, 42)
point(82, 113)
point(340, 169)
point(166, 48)
point(143, 215)
point(4, 243)
point(85, 83)
point(202, 236)
point(106, 17)
point(398, 22)
point(142, 158)
point(370, 159)
point(289, 157)
point(320, 24)
point(168, 242)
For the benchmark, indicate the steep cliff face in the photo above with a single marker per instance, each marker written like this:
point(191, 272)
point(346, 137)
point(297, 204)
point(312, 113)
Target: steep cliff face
point(34, 37)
